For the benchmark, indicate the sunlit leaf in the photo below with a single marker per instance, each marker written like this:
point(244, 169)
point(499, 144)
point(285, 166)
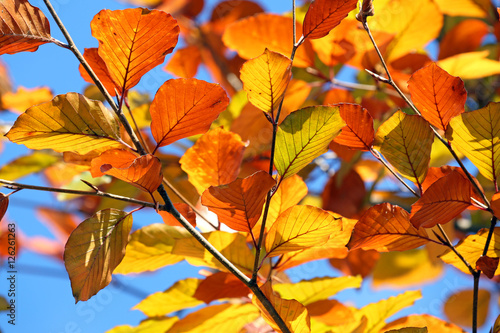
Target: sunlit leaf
point(221, 285)
point(265, 79)
point(406, 141)
point(214, 159)
point(185, 62)
point(471, 248)
point(409, 330)
point(310, 291)
point(239, 204)
point(435, 174)
point(26, 165)
point(438, 95)
point(330, 312)
point(150, 325)
point(94, 249)
point(458, 307)
point(466, 36)
point(291, 311)
point(468, 8)
point(270, 31)
point(358, 132)
point(476, 134)
point(300, 227)
point(23, 27)
point(59, 222)
point(24, 98)
point(495, 204)
point(150, 248)
point(385, 228)
point(4, 204)
point(216, 319)
point(433, 324)
point(131, 50)
point(496, 327)
point(304, 135)
point(324, 15)
point(344, 194)
point(471, 65)
point(185, 107)
point(178, 297)
point(69, 122)
point(184, 209)
point(487, 265)
point(95, 61)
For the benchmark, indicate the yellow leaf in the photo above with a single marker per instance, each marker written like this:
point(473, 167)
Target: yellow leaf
point(24, 98)
point(232, 245)
point(69, 122)
point(471, 248)
point(150, 325)
point(310, 291)
point(265, 79)
point(406, 142)
point(470, 65)
point(301, 227)
point(217, 319)
point(468, 8)
point(458, 307)
point(26, 165)
point(94, 249)
point(150, 248)
point(177, 297)
point(433, 324)
point(409, 21)
point(476, 134)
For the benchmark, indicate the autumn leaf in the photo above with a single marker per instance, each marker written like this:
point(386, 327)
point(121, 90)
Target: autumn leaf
point(59, 222)
point(185, 62)
point(265, 79)
point(4, 204)
point(178, 297)
point(476, 134)
point(131, 50)
point(214, 159)
point(330, 312)
point(150, 248)
point(458, 307)
point(95, 61)
point(94, 249)
point(487, 265)
point(385, 228)
point(464, 37)
point(185, 210)
point(23, 27)
point(344, 193)
point(471, 248)
point(304, 135)
point(438, 95)
point(185, 107)
point(358, 132)
point(69, 122)
point(405, 141)
point(433, 324)
point(300, 227)
point(291, 311)
point(157, 324)
point(470, 65)
point(324, 15)
point(26, 165)
point(468, 8)
point(239, 204)
point(221, 285)
point(270, 31)
point(24, 98)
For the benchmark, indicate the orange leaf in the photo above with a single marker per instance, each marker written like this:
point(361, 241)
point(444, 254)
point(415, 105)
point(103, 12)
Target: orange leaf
point(60, 223)
point(495, 204)
point(324, 15)
point(335, 47)
point(434, 173)
point(458, 308)
point(4, 203)
point(344, 194)
point(22, 27)
point(99, 67)
point(24, 98)
point(185, 62)
point(438, 95)
point(386, 228)
point(357, 262)
point(185, 211)
point(487, 265)
point(358, 133)
point(229, 11)
point(239, 204)
point(220, 285)
point(433, 324)
point(118, 158)
point(443, 201)
point(331, 312)
point(185, 107)
point(270, 31)
point(466, 36)
point(214, 159)
point(130, 50)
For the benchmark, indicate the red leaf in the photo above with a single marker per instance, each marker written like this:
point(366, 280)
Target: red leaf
point(487, 265)
point(4, 203)
point(324, 15)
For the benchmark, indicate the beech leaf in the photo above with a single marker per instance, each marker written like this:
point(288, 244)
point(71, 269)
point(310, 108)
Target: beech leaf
point(324, 15)
point(458, 307)
point(470, 65)
point(95, 61)
point(94, 249)
point(358, 132)
point(433, 324)
point(487, 265)
point(69, 122)
point(221, 285)
point(4, 204)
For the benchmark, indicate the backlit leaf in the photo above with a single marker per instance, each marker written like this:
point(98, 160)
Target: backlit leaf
point(22, 28)
point(239, 204)
point(150, 248)
point(221, 285)
point(150, 325)
point(270, 31)
point(310, 291)
point(433, 324)
point(133, 41)
point(184, 210)
point(24, 98)
point(344, 193)
point(216, 319)
point(185, 62)
point(69, 122)
point(324, 15)
point(304, 135)
point(468, 8)
point(265, 79)
point(300, 227)
point(291, 311)
point(471, 65)
point(406, 141)
point(458, 307)
point(94, 249)
point(466, 36)
point(358, 132)
point(178, 297)
point(185, 107)
point(330, 312)
point(59, 222)
point(438, 95)
point(95, 61)
point(471, 248)
point(214, 159)
point(495, 204)
point(476, 134)
point(385, 228)
point(487, 265)
point(4, 204)
point(26, 165)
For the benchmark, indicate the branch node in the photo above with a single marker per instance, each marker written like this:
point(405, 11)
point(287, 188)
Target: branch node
point(92, 186)
point(365, 10)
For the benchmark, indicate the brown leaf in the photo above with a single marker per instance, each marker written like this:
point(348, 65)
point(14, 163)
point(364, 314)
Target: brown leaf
point(458, 307)
point(487, 265)
point(4, 203)
point(324, 15)
point(358, 132)
point(344, 194)
point(220, 285)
